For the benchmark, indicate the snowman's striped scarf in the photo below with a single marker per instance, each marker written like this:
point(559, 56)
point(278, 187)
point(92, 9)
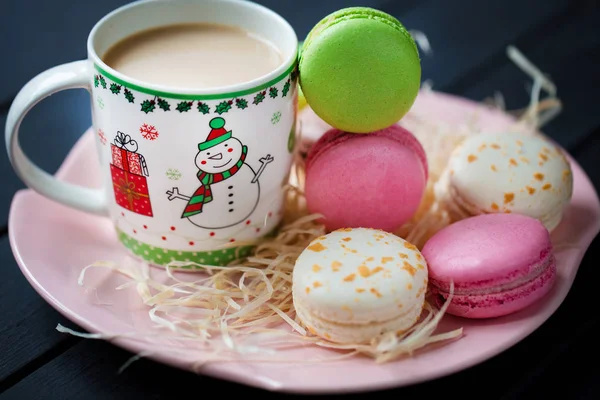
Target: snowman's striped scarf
point(203, 194)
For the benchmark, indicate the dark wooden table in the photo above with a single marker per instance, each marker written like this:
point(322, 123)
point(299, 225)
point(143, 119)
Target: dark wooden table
point(468, 37)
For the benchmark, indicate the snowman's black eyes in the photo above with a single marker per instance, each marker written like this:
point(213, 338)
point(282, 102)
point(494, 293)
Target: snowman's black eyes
point(226, 145)
point(208, 154)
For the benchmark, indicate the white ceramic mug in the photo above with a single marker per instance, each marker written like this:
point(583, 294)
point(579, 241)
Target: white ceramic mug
point(164, 207)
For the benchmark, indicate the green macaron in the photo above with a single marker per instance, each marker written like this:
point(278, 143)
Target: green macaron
point(360, 69)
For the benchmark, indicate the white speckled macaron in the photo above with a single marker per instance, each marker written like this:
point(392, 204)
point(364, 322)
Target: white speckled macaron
point(354, 284)
point(507, 172)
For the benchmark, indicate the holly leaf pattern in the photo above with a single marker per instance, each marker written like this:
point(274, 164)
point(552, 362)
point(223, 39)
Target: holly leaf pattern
point(292, 139)
point(273, 92)
point(115, 89)
point(163, 104)
point(102, 82)
point(223, 107)
point(203, 108)
point(241, 103)
point(286, 88)
point(129, 95)
point(259, 97)
point(96, 81)
point(184, 106)
point(148, 106)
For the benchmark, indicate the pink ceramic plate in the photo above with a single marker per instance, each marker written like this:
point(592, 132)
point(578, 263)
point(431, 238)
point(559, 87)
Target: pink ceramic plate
point(52, 243)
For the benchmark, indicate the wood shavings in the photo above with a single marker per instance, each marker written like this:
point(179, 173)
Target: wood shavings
point(228, 302)
point(539, 112)
point(440, 140)
point(246, 309)
point(422, 41)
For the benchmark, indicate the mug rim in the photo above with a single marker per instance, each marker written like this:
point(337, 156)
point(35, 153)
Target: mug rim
point(235, 90)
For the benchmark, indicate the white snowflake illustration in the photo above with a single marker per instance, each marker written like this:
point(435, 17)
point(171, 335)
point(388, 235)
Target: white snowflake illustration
point(276, 117)
point(148, 132)
point(173, 174)
point(102, 136)
point(100, 102)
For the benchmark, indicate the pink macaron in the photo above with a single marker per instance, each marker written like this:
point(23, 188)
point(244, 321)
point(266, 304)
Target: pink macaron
point(373, 180)
point(499, 263)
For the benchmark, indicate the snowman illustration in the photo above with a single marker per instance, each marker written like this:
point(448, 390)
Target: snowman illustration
point(229, 188)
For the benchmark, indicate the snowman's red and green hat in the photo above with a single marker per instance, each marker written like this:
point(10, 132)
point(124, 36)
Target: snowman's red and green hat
point(218, 134)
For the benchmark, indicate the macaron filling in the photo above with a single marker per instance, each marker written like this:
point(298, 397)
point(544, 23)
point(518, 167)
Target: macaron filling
point(353, 332)
point(461, 209)
point(509, 282)
point(501, 302)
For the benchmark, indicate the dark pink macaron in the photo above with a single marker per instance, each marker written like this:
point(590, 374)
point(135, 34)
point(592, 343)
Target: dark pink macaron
point(373, 180)
point(499, 264)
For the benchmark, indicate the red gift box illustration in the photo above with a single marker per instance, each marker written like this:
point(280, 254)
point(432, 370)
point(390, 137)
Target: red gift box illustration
point(129, 171)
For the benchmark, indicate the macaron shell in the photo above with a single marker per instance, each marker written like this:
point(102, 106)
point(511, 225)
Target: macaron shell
point(347, 13)
point(359, 276)
point(398, 134)
point(487, 250)
point(510, 172)
point(374, 180)
point(501, 303)
point(360, 74)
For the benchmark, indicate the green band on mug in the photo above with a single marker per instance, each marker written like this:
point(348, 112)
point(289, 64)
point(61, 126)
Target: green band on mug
point(160, 256)
point(196, 96)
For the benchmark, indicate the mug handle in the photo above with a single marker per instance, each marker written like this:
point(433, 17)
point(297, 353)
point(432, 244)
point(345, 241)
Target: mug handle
point(67, 76)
